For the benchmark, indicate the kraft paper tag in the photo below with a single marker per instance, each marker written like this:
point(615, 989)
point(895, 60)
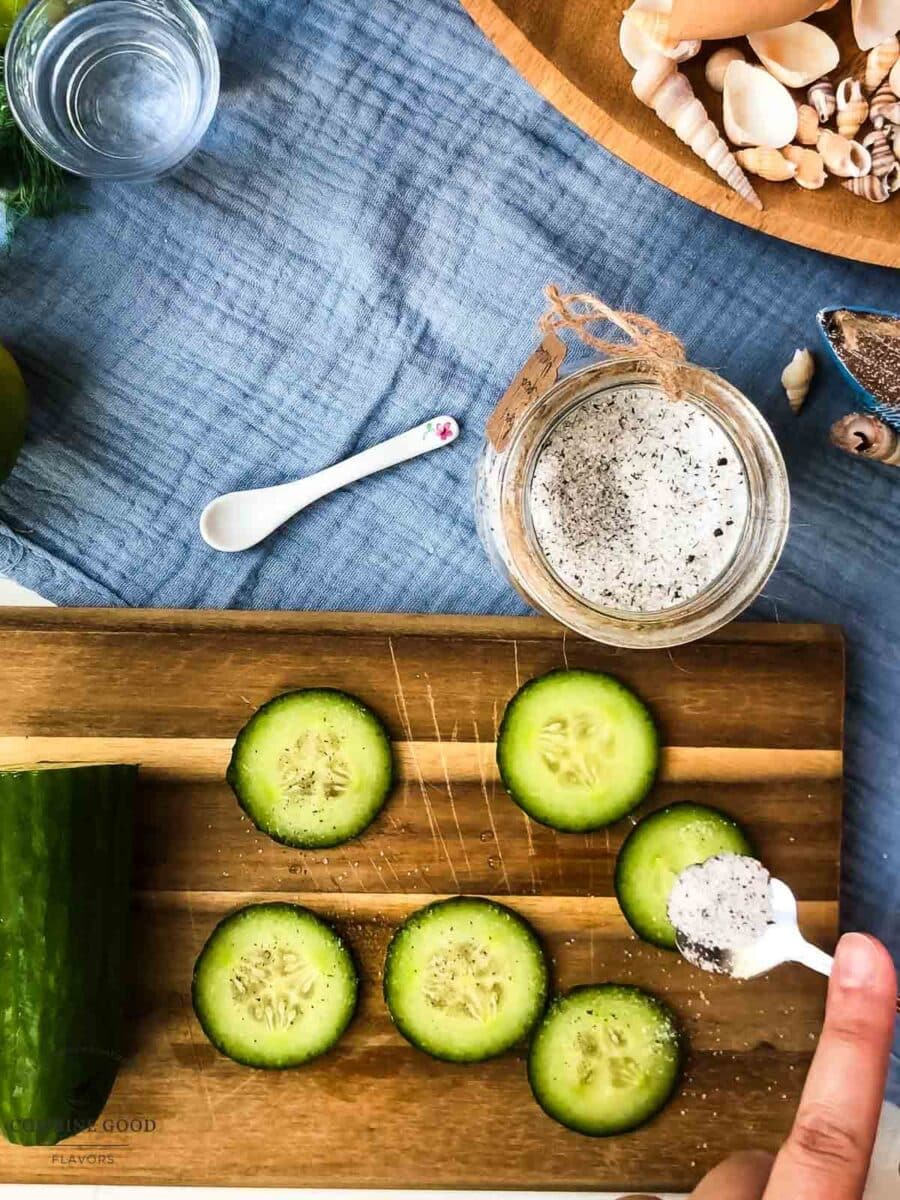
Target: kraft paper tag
point(536, 377)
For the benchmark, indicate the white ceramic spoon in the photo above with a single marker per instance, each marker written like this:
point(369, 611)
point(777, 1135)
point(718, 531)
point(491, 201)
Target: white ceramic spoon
point(238, 520)
point(782, 941)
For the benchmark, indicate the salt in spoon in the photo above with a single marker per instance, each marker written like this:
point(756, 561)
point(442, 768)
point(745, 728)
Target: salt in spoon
point(238, 520)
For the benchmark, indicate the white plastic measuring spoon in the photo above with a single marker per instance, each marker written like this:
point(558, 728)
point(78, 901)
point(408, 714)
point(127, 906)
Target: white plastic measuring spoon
point(782, 941)
point(238, 520)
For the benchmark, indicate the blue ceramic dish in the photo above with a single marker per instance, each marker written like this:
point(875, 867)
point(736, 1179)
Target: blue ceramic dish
point(888, 412)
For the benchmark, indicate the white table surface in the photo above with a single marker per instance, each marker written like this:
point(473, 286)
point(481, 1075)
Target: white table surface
point(883, 1182)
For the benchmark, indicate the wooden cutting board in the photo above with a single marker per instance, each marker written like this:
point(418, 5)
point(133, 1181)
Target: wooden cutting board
point(569, 51)
point(751, 720)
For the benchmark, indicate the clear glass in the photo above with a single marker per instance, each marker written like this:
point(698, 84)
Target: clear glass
point(112, 89)
point(502, 489)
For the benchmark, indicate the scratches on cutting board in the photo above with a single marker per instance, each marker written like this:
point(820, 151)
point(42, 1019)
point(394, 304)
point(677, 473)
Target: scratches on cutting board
point(515, 647)
point(490, 811)
point(437, 733)
point(565, 654)
point(436, 835)
point(189, 1018)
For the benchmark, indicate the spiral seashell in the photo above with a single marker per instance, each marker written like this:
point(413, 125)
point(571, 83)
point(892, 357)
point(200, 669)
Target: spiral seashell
point(718, 63)
point(653, 24)
point(810, 173)
point(880, 150)
point(884, 107)
point(796, 378)
point(843, 157)
point(870, 187)
point(879, 62)
point(807, 125)
point(852, 107)
point(767, 163)
point(866, 436)
point(661, 86)
point(821, 96)
point(892, 178)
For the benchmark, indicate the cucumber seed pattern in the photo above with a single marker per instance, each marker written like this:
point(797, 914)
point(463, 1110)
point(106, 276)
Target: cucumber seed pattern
point(314, 769)
point(603, 1057)
point(575, 748)
point(464, 978)
point(271, 984)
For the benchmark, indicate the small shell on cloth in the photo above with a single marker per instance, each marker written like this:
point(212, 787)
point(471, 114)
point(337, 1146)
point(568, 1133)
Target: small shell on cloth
point(757, 109)
point(880, 150)
point(796, 378)
point(807, 125)
point(821, 96)
point(810, 173)
point(661, 86)
point(645, 27)
point(718, 63)
point(796, 54)
point(879, 62)
point(874, 21)
point(843, 157)
point(766, 163)
point(884, 107)
point(866, 436)
point(852, 107)
point(870, 187)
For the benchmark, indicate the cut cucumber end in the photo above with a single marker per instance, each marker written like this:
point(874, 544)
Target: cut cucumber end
point(577, 750)
point(465, 979)
point(274, 986)
point(605, 1059)
point(656, 852)
point(312, 768)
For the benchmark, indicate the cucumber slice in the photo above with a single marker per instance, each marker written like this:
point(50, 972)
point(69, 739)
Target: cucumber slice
point(312, 768)
point(605, 1059)
point(577, 750)
point(656, 852)
point(465, 979)
point(274, 986)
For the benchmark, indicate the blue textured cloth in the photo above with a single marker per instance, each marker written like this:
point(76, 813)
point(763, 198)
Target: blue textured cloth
point(361, 243)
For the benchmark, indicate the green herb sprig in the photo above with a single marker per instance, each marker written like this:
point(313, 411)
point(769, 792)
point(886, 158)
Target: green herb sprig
point(30, 185)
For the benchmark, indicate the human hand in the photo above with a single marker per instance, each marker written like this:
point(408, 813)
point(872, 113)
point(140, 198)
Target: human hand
point(826, 1155)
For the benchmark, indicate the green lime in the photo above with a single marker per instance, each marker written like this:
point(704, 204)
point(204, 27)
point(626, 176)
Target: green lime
point(13, 411)
point(9, 10)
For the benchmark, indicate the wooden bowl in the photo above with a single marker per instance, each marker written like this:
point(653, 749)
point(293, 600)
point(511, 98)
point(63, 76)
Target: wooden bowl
point(569, 51)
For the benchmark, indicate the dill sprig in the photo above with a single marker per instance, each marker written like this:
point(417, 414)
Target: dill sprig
point(30, 185)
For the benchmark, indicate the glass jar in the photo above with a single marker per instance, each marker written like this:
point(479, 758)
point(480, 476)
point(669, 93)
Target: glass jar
point(506, 528)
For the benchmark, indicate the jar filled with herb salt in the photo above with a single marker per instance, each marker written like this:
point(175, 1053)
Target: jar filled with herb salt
point(639, 501)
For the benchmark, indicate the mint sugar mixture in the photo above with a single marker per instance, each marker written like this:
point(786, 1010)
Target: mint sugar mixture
point(638, 500)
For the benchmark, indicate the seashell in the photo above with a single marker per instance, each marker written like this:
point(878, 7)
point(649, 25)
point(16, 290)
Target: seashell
point(757, 109)
point(810, 173)
point(892, 178)
point(843, 157)
point(796, 378)
point(870, 187)
point(866, 436)
point(796, 54)
point(894, 78)
point(879, 62)
point(718, 63)
point(821, 96)
point(766, 163)
point(895, 144)
point(874, 21)
point(880, 151)
point(884, 107)
point(661, 86)
point(807, 125)
point(852, 107)
point(645, 27)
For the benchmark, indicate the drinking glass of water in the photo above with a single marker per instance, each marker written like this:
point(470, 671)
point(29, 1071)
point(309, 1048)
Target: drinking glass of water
point(112, 89)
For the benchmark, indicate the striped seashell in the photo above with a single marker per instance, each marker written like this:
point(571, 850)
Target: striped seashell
point(879, 62)
point(884, 107)
point(822, 97)
point(881, 150)
point(870, 187)
point(807, 125)
point(852, 107)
